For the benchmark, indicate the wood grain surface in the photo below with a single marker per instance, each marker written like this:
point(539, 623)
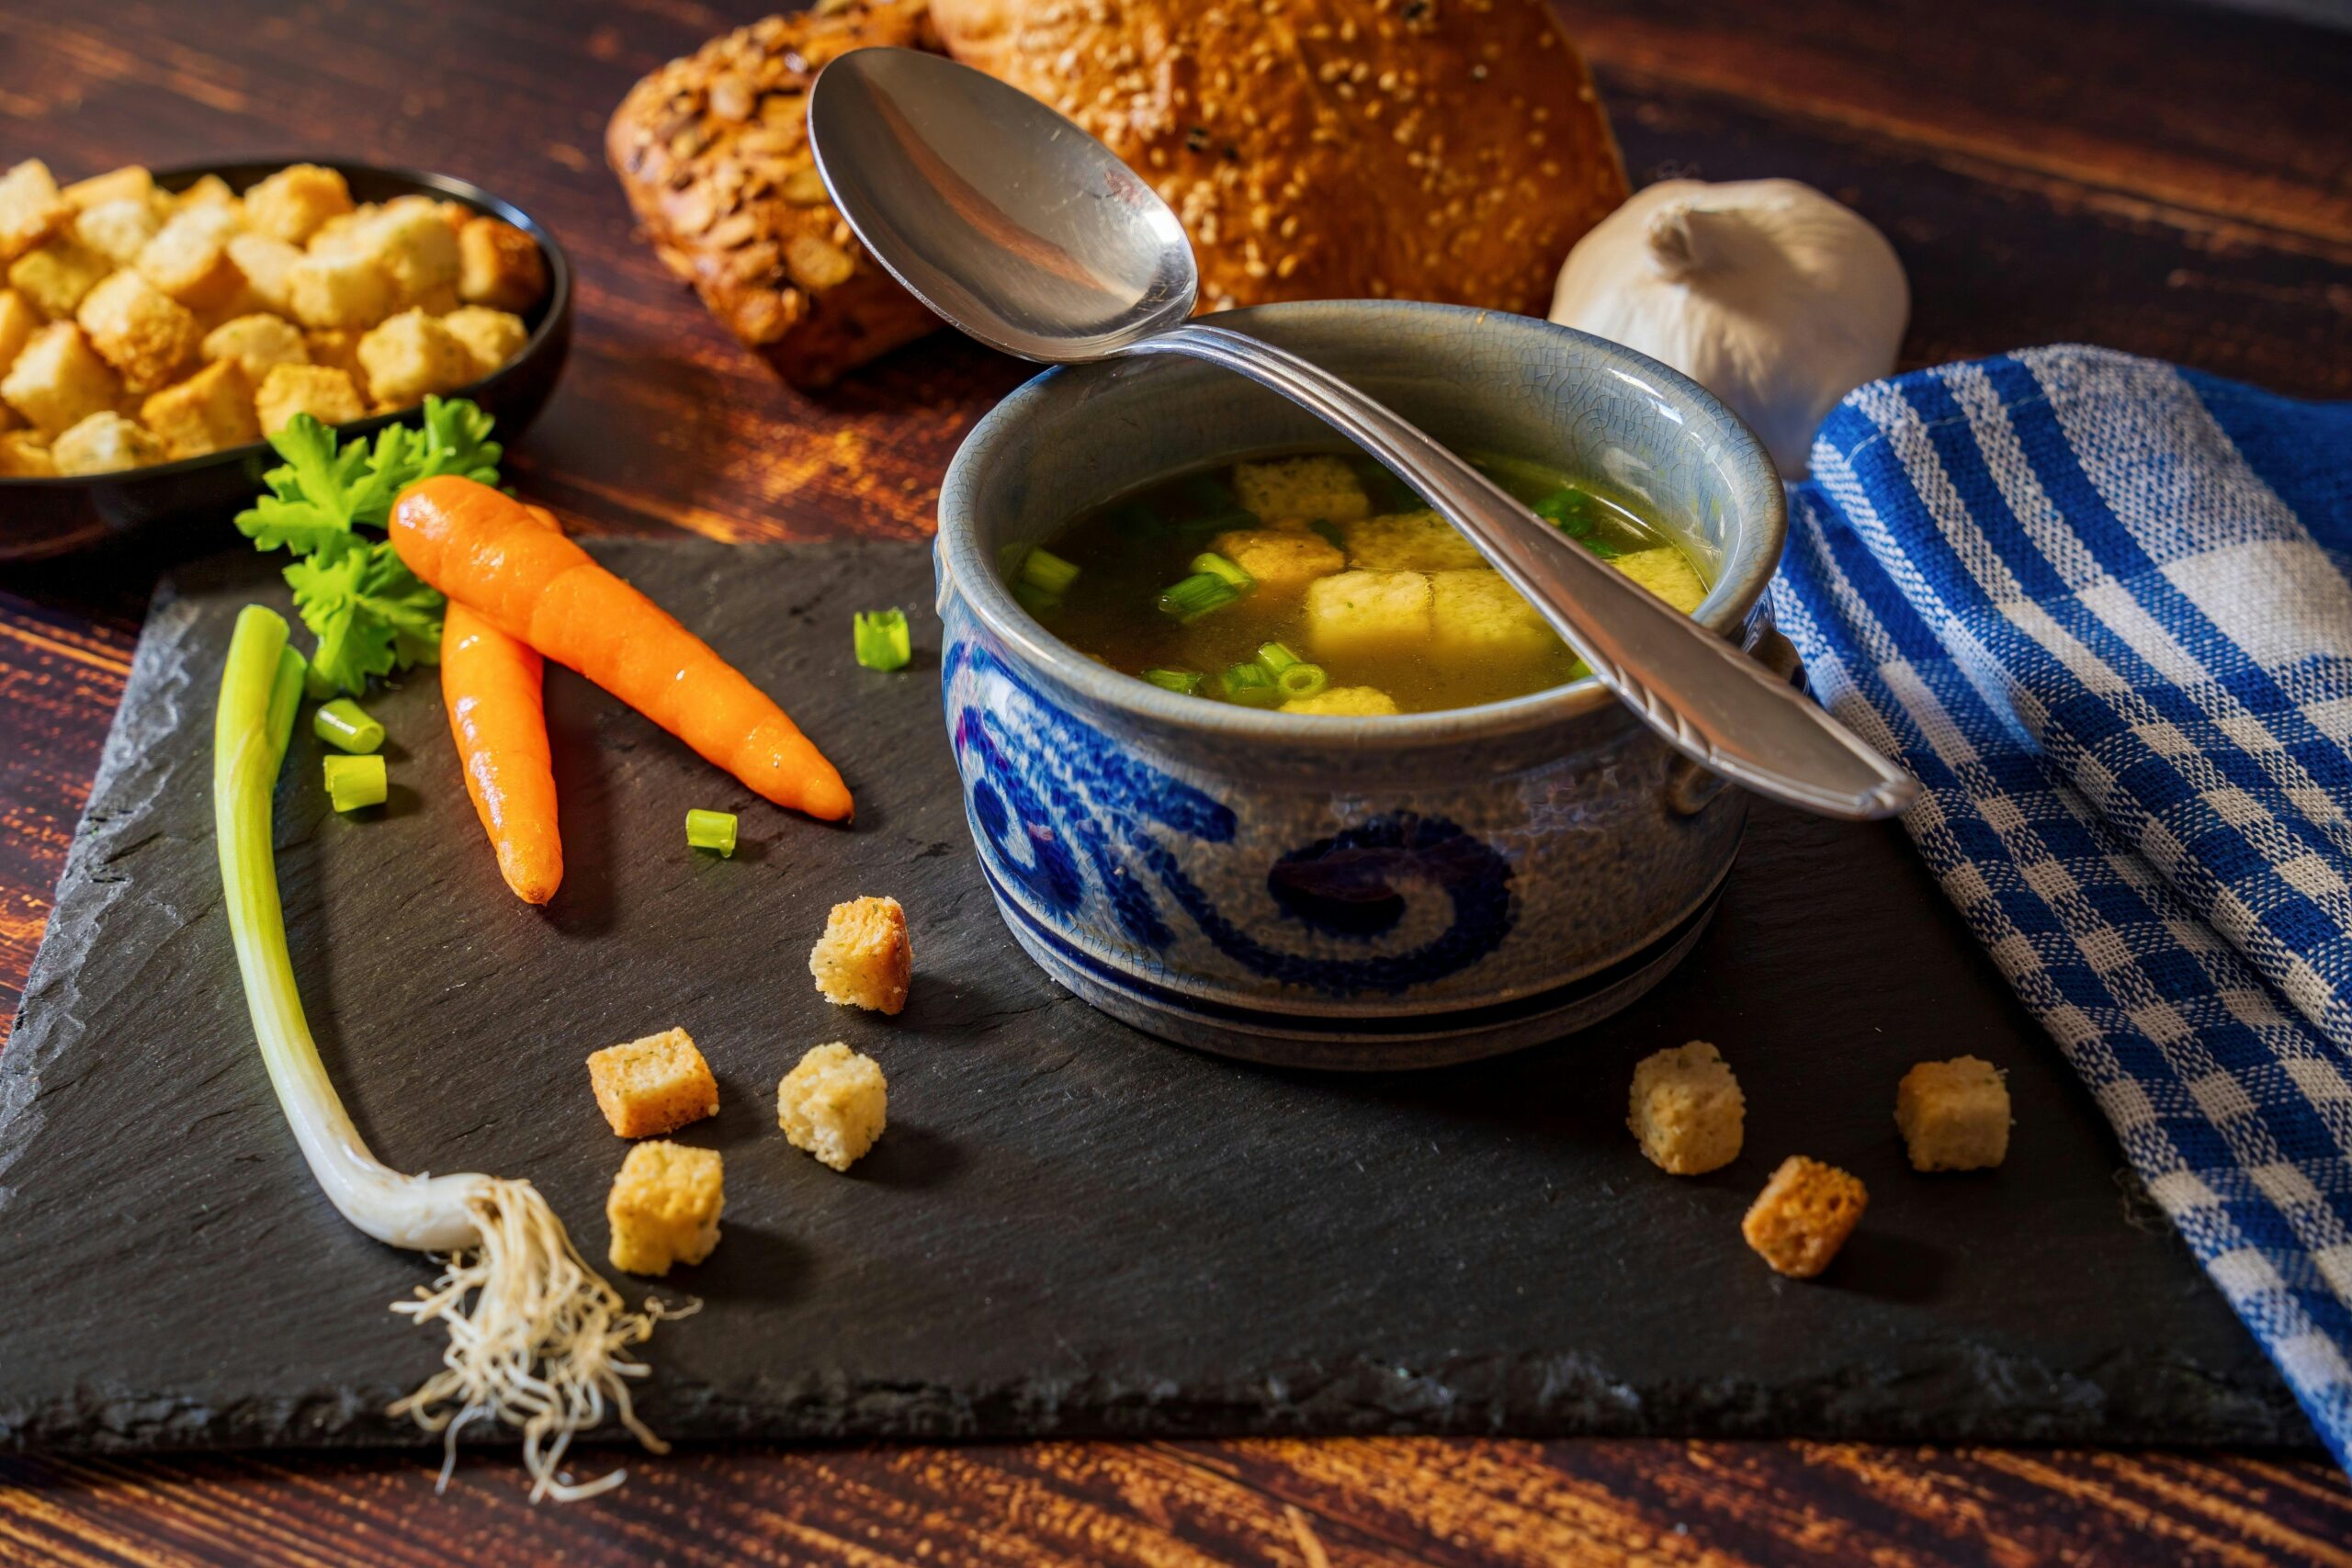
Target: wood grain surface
point(2169, 180)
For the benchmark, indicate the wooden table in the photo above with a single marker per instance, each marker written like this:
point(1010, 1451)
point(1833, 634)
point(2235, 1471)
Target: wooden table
point(2172, 181)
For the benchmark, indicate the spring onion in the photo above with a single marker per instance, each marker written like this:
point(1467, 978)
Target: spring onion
point(1221, 522)
point(345, 726)
point(1043, 570)
point(711, 830)
point(537, 1339)
point(1568, 510)
point(1275, 657)
point(1302, 679)
point(881, 639)
point(1249, 685)
point(1036, 600)
point(355, 782)
point(1196, 597)
point(1329, 533)
point(1224, 571)
point(1183, 681)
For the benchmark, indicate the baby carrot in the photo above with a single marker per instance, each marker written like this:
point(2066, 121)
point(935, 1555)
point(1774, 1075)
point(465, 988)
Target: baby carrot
point(491, 685)
point(487, 552)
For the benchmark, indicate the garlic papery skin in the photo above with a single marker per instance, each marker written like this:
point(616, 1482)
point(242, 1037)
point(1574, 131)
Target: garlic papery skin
point(1766, 292)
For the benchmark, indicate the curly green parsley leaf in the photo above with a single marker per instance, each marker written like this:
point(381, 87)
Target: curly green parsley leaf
point(327, 504)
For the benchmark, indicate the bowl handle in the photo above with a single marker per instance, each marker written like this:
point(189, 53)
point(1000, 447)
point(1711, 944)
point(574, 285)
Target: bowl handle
point(1689, 786)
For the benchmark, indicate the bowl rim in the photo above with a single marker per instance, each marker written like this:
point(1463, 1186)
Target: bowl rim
point(965, 563)
point(236, 172)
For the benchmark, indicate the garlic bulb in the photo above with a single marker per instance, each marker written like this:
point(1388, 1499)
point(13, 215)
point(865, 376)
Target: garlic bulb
point(1766, 292)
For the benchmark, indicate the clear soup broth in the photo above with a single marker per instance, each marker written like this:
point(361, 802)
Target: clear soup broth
point(1317, 582)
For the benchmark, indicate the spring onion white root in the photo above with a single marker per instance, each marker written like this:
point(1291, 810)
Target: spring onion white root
point(537, 1339)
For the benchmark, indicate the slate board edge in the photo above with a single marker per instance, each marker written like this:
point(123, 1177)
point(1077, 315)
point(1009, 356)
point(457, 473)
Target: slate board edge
point(2141, 1396)
point(2138, 1398)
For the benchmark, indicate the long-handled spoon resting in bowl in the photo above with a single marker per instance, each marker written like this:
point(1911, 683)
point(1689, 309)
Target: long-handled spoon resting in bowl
point(1020, 229)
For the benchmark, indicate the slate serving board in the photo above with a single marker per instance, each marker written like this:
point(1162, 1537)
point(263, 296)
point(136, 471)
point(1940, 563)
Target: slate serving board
point(1069, 1227)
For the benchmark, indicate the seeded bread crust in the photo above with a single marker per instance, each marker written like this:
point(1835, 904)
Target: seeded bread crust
point(713, 153)
point(1444, 150)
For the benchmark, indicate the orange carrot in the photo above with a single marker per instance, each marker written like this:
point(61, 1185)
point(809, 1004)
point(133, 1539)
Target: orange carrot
point(490, 685)
point(487, 552)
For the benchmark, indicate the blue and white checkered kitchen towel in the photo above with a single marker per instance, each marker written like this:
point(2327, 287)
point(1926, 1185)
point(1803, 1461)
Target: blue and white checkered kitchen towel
point(2100, 605)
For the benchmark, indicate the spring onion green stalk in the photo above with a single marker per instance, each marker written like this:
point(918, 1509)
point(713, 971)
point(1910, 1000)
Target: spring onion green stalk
point(344, 725)
point(881, 639)
point(1302, 679)
point(1036, 600)
point(1328, 532)
point(1196, 597)
point(1249, 685)
point(355, 782)
point(1183, 681)
point(1224, 571)
point(537, 1341)
point(1048, 572)
point(1275, 657)
point(711, 830)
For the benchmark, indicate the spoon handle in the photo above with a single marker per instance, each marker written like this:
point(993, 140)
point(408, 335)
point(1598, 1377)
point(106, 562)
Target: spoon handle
point(1709, 700)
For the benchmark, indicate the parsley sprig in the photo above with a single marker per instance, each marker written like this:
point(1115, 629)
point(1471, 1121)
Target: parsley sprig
point(330, 505)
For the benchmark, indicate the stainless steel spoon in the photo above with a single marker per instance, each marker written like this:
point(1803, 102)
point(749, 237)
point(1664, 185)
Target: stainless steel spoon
point(1018, 227)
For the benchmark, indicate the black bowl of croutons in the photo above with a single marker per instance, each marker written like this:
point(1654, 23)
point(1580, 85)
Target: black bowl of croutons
point(156, 326)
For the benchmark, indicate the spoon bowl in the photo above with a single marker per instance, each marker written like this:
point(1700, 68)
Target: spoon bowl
point(1063, 256)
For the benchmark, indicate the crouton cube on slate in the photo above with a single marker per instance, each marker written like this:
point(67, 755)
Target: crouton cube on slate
point(664, 1207)
point(1803, 1216)
point(1954, 1115)
point(652, 1086)
point(1686, 1110)
point(833, 1105)
point(865, 958)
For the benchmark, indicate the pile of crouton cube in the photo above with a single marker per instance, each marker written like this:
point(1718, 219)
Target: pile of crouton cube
point(141, 326)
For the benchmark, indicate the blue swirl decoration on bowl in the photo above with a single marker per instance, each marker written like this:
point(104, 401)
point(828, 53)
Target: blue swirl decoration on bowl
point(1055, 801)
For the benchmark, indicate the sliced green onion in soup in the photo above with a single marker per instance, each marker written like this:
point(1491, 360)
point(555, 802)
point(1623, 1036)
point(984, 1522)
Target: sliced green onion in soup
point(1568, 510)
point(1218, 567)
point(1301, 679)
point(1036, 600)
point(1048, 572)
point(1185, 683)
point(1197, 595)
point(1276, 658)
point(1249, 685)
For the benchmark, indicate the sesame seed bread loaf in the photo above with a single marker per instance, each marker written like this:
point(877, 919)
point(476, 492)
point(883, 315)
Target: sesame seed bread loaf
point(1444, 150)
point(713, 151)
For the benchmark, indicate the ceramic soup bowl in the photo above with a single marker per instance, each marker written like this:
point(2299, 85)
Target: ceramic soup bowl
point(1359, 893)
